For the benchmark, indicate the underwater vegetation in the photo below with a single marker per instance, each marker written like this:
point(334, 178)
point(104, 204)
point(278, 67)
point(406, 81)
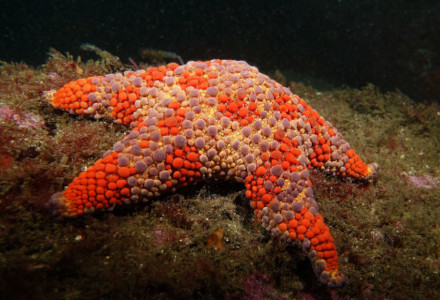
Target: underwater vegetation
point(387, 233)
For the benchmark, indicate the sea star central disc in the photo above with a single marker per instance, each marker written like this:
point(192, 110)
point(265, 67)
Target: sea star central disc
point(220, 119)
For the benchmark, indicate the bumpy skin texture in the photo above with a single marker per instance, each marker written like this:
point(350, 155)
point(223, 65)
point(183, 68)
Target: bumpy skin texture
point(219, 119)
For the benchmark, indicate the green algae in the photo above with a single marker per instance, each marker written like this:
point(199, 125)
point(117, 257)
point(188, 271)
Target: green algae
point(387, 233)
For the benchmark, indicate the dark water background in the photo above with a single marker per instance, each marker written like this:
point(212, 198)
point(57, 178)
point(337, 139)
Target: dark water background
point(393, 44)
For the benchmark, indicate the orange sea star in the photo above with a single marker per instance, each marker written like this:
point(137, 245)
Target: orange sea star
point(220, 119)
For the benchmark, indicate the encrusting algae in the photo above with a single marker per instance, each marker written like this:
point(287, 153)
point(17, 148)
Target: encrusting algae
point(221, 119)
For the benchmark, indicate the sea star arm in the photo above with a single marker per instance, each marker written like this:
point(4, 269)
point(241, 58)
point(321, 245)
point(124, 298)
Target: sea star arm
point(219, 119)
point(333, 155)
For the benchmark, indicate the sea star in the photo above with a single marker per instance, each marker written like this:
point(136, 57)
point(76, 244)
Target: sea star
point(218, 118)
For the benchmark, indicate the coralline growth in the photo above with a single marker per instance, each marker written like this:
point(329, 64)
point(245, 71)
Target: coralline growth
point(221, 119)
point(21, 119)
